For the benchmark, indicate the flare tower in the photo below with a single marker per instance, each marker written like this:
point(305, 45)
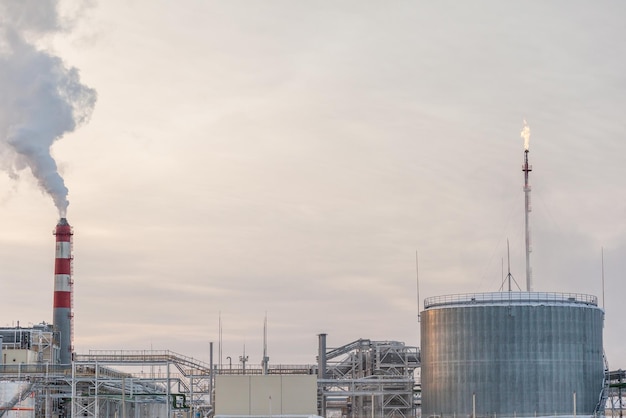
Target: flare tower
point(527, 168)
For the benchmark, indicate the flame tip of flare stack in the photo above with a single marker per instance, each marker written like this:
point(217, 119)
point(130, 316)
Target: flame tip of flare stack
point(525, 134)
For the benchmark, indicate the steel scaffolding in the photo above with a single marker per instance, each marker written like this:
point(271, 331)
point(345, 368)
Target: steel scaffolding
point(362, 379)
point(141, 382)
point(367, 379)
point(617, 391)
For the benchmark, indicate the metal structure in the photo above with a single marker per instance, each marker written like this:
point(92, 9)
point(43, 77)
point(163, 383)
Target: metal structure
point(144, 382)
point(526, 168)
point(118, 383)
point(63, 286)
point(512, 354)
point(34, 343)
point(112, 384)
point(616, 382)
point(367, 379)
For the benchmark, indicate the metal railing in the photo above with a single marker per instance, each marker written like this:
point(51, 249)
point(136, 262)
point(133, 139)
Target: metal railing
point(509, 297)
point(189, 364)
point(34, 369)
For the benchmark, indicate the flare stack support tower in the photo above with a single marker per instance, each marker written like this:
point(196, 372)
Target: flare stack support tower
point(526, 168)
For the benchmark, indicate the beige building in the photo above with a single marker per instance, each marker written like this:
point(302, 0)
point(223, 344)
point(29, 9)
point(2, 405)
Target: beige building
point(265, 395)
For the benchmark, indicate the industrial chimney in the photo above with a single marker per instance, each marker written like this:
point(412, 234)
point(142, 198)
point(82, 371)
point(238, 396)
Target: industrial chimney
point(62, 317)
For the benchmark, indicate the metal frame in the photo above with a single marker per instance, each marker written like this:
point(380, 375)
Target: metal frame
point(369, 379)
point(95, 384)
point(616, 392)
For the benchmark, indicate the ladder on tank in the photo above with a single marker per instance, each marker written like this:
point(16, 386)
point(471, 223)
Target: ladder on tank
point(604, 393)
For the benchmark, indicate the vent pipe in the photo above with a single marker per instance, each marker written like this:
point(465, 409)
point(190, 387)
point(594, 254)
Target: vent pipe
point(321, 357)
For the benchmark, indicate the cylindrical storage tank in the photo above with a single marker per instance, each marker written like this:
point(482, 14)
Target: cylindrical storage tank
point(515, 354)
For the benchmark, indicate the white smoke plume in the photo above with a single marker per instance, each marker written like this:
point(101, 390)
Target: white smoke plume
point(41, 99)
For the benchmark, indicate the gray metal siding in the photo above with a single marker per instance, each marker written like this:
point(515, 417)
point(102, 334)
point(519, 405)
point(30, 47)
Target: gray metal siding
point(518, 360)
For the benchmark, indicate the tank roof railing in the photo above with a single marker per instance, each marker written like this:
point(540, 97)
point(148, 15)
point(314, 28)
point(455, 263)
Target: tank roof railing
point(509, 297)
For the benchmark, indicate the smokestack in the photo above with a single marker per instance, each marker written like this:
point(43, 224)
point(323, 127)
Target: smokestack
point(321, 356)
point(63, 316)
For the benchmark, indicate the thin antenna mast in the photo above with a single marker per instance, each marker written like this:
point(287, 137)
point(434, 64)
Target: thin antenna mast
point(266, 359)
point(602, 278)
point(417, 280)
point(219, 336)
point(417, 276)
point(509, 276)
point(508, 260)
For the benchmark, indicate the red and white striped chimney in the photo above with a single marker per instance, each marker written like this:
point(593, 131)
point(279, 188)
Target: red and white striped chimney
point(63, 284)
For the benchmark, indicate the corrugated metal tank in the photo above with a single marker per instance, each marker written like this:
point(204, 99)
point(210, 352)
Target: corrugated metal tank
point(517, 354)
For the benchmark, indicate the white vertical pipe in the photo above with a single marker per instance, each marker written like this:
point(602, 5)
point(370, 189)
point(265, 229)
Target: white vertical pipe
point(73, 389)
point(473, 405)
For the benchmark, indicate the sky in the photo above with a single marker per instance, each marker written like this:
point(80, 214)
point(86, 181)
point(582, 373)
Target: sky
point(307, 161)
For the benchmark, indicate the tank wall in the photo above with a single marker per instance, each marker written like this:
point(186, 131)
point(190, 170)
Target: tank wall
point(518, 360)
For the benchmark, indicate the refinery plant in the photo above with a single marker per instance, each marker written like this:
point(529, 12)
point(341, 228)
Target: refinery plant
point(501, 354)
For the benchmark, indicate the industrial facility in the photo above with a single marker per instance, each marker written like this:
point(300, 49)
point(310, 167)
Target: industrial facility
point(507, 354)
point(363, 378)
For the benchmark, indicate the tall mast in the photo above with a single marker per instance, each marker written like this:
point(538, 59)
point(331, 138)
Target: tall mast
point(266, 359)
point(527, 168)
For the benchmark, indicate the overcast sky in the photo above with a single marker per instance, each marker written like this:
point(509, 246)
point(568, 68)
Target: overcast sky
point(290, 158)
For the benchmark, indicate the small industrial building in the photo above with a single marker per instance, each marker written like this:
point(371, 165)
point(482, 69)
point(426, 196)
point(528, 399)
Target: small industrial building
point(265, 395)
